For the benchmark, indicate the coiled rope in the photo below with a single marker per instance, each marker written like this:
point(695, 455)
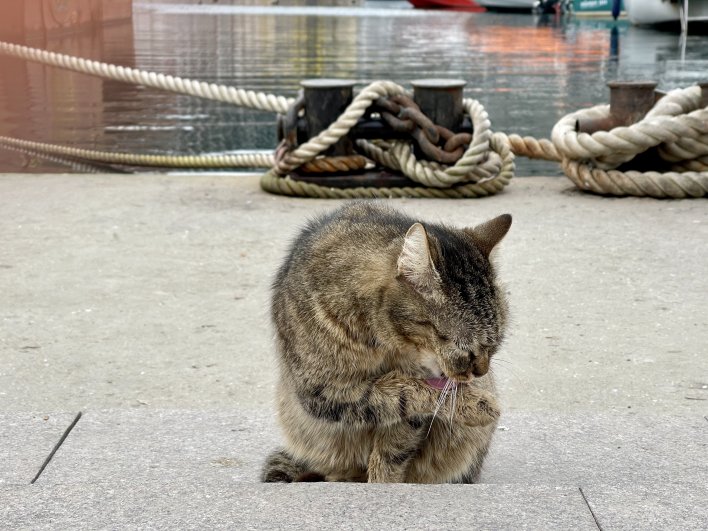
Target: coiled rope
point(677, 127)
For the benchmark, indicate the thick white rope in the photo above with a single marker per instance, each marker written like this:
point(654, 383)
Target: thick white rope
point(677, 124)
point(212, 91)
point(238, 160)
point(273, 183)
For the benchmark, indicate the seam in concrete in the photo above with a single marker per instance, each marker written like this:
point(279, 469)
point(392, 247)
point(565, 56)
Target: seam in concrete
point(56, 447)
point(585, 499)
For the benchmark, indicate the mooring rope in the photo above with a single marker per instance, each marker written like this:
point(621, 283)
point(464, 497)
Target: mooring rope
point(677, 127)
point(533, 148)
point(80, 166)
point(275, 183)
point(211, 91)
point(680, 133)
point(216, 160)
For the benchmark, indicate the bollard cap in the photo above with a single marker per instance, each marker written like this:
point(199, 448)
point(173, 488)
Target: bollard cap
point(327, 83)
point(434, 83)
point(632, 84)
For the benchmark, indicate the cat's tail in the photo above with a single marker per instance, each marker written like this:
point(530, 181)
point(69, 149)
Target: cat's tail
point(281, 467)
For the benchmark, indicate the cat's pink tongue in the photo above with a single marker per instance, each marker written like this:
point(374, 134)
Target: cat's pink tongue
point(437, 383)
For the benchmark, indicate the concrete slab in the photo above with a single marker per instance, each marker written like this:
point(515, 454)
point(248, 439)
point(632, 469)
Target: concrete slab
point(612, 449)
point(666, 505)
point(149, 294)
point(531, 449)
point(145, 445)
point(178, 504)
point(152, 291)
point(26, 439)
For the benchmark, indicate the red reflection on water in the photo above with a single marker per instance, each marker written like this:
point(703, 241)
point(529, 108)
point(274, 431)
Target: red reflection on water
point(540, 47)
point(48, 104)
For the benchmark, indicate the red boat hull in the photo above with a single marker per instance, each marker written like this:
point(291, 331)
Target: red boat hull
point(459, 5)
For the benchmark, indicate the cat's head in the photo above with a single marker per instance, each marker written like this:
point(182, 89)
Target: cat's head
point(450, 307)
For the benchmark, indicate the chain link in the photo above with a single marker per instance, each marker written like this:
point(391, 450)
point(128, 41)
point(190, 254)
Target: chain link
point(437, 143)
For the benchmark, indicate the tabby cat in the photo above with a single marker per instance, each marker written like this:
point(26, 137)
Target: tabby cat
point(385, 329)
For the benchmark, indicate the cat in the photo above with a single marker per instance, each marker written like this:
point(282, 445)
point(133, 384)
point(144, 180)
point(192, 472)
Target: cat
point(385, 328)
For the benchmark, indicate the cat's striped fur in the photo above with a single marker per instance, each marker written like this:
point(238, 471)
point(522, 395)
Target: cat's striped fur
point(367, 305)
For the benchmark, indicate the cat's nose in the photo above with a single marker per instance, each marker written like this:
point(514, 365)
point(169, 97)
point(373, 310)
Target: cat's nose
point(469, 364)
point(470, 361)
point(480, 365)
point(465, 364)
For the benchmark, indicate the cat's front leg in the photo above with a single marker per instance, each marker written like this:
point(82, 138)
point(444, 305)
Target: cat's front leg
point(393, 449)
point(472, 406)
point(475, 406)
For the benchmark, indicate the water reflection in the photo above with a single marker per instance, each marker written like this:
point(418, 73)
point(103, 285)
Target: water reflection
point(528, 71)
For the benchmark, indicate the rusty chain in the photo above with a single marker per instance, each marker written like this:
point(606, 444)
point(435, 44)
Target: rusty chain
point(438, 143)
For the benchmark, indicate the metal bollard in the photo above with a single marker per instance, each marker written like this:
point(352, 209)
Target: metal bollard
point(629, 102)
point(325, 100)
point(441, 101)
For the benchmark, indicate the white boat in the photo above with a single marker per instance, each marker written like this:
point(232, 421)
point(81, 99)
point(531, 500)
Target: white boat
point(516, 5)
point(664, 11)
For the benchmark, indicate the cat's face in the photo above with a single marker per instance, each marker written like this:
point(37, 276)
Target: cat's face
point(453, 311)
point(454, 338)
point(462, 340)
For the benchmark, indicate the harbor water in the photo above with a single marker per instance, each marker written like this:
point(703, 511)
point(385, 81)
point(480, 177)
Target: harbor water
point(527, 70)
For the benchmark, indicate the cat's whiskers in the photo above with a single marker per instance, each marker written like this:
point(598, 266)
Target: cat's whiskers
point(453, 405)
point(507, 365)
point(440, 402)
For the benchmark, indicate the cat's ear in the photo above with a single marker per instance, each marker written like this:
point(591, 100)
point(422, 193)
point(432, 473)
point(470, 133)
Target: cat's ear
point(415, 263)
point(490, 233)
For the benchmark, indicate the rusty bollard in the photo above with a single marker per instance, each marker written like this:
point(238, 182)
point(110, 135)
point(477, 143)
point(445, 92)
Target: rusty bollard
point(325, 101)
point(629, 103)
point(440, 100)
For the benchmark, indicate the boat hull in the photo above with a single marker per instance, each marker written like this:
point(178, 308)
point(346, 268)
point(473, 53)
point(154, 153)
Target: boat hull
point(645, 12)
point(458, 5)
point(518, 5)
point(593, 7)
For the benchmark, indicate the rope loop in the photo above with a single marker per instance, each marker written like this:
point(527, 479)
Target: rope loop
point(676, 127)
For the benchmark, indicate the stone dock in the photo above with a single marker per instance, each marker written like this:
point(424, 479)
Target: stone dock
point(137, 368)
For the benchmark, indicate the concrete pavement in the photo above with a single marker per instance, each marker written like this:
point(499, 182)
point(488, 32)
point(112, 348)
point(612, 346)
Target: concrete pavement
point(141, 302)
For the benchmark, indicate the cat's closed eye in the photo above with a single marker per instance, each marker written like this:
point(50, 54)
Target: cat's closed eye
point(431, 327)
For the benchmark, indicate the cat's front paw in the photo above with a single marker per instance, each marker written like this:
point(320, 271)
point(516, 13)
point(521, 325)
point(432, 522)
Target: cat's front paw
point(478, 407)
